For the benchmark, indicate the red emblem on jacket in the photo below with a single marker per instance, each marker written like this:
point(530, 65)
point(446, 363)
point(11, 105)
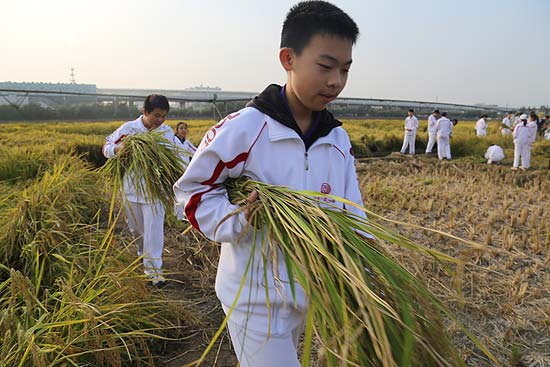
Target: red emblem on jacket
point(325, 188)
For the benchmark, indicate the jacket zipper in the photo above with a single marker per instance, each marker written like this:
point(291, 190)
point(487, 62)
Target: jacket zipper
point(307, 163)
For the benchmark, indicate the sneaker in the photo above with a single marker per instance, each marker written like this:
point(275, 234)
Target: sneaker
point(514, 168)
point(157, 280)
point(523, 169)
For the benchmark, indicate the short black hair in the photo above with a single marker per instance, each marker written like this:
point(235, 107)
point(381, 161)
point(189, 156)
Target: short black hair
point(156, 101)
point(444, 113)
point(435, 111)
point(411, 110)
point(309, 18)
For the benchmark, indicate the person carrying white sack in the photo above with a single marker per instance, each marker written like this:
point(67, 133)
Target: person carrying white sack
point(411, 124)
point(494, 154)
point(444, 129)
point(524, 136)
point(481, 126)
point(432, 133)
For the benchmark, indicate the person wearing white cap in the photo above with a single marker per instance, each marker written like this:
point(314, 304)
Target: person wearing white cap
point(506, 124)
point(444, 129)
point(481, 126)
point(494, 154)
point(411, 124)
point(432, 122)
point(524, 136)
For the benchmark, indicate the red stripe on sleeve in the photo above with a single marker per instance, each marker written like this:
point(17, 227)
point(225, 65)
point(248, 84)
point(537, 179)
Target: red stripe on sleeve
point(120, 139)
point(191, 207)
point(193, 203)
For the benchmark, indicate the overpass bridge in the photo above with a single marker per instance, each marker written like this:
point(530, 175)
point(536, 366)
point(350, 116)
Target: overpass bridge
point(217, 98)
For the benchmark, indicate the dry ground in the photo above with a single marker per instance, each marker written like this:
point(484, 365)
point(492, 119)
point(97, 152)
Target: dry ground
point(502, 294)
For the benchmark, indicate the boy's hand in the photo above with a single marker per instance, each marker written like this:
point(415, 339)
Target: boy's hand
point(118, 147)
point(249, 200)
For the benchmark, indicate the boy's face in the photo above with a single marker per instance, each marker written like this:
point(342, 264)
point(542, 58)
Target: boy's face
point(320, 72)
point(154, 119)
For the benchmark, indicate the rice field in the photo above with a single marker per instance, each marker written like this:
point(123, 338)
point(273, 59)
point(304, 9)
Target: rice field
point(72, 293)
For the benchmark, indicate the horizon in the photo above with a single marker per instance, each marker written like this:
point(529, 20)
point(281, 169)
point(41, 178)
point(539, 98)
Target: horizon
point(463, 53)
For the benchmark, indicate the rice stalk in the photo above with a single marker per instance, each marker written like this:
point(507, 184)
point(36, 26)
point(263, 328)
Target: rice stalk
point(152, 164)
point(368, 310)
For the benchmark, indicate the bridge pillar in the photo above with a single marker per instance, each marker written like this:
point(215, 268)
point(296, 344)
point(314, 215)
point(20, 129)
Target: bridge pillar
point(115, 106)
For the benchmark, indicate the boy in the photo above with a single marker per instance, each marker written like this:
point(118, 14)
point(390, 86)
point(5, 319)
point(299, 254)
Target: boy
point(444, 130)
point(145, 218)
point(411, 124)
point(285, 136)
point(432, 122)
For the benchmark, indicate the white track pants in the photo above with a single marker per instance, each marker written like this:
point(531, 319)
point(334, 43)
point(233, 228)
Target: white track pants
point(146, 223)
point(522, 151)
point(255, 347)
point(443, 147)
point(431, 141)
point(409, 141)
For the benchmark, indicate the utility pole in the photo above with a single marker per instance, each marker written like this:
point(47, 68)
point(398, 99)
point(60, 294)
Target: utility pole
point(73, 79)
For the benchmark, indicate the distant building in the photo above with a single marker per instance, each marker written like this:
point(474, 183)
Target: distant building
point(50, 99)
point(202, 88)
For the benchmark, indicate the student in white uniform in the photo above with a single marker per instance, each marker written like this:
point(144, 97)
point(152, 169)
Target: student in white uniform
point(285, 136)
point(444, 129)
point(411, 124)
point(144, 217)
point(494, 154)
point(481, 126)
point(506, 124)
point(180, 138)
point(524, 134)
point(432, 133)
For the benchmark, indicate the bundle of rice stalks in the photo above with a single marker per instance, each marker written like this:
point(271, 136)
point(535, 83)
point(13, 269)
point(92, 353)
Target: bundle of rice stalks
point(151, 163)
point(368, 310)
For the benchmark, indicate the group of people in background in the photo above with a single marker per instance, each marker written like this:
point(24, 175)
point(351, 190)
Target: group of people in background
point(440, 130)
point(523, 128)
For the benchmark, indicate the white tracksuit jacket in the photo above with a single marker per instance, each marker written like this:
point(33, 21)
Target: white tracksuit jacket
point(187, 146)
point(481, 127)
point(444, 130)
point(117, 137)
point(250, 143)
point(524, 137)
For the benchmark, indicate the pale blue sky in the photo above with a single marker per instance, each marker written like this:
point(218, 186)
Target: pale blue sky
point(488, 51)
